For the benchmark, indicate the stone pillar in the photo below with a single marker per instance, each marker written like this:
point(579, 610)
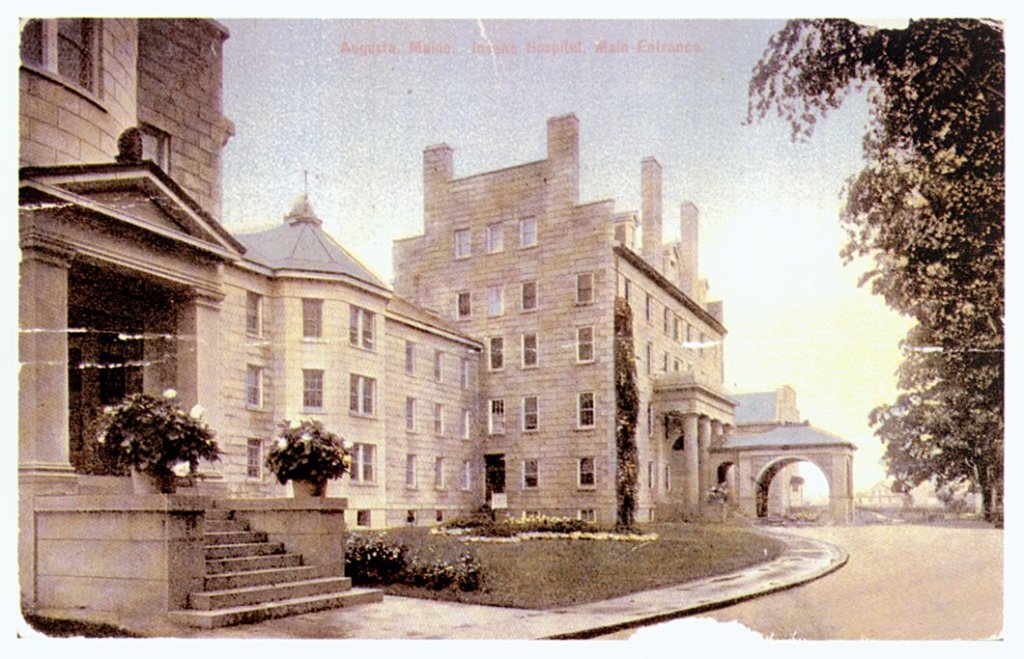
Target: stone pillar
point(44, 466)
point(198, 377)
point(691, 465)
point(704, 458)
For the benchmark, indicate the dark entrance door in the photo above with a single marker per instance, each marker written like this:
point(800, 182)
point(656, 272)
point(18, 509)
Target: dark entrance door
point(494, 468)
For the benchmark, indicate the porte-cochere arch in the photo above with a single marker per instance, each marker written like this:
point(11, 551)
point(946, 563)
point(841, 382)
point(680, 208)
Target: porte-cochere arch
point(747, 460)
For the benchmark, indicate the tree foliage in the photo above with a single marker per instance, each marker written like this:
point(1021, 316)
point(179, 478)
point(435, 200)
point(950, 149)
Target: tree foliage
point(928, 209)
point(627, 410)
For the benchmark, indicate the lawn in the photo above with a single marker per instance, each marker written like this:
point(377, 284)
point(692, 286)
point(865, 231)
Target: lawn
point(543, 574)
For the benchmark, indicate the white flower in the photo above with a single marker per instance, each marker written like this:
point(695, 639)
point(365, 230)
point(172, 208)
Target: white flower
point(347, 445)
point(102, 439)
point(182, 469)
point(306, 438)
point(197, 412)
point(282, 443)
point(108, 410)
point(295, 425)
point(170, 394)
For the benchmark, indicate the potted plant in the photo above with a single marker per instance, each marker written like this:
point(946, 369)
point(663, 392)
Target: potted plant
point(156, 439)
point(308, 455)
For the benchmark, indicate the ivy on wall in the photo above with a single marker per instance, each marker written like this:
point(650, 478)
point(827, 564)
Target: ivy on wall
point(627, 409)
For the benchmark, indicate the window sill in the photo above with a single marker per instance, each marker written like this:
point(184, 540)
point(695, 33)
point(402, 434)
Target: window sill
point(531, 310)
point(357, 346)
point(361, 415)
point(585, 428)
point(310, 410)
point(362, 483)
point(585, 362)
point(530, 246)
point(530, 367)
point(254, 408)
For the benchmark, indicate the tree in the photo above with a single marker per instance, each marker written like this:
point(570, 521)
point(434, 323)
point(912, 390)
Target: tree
point(928, 209)
point(627, 410)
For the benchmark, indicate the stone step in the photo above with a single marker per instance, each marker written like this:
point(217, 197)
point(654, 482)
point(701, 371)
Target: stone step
point(260, 612)
point(215, 525)
point(275, 575)
point(247, 563)
point(244, 549)
point(235, 597)
point(233, 537)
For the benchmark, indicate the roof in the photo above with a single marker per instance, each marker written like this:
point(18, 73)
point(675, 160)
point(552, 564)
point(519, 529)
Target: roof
point(755, 408)
point(301, 244)
point(792, 435)
point(400, 307)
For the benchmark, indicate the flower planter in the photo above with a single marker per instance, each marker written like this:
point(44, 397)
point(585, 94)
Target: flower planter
point(143, 483)
point(305, 489)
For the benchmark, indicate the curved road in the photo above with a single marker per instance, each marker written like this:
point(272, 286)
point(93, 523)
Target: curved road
point(902, 582)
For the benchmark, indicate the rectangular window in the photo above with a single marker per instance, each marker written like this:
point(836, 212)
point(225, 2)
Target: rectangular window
point(462, 250)
point(495, 300)
point(463, 305)
point(530, 474)
point(664, 363)
point(587, 515)
point(649, 309)
point(496, 418)
point(438, 419)
point(438, 473)
point(649, 358)
point(668, 478)
point(676, 327)
point(439, 516)
point(410, 414)
point(76, 44)
point(496, 353)
point(363, 518)
point(438, 365)
point(587, 477)
point(627, 290)
point(467, 475)
point(312, 318)
point(361, 327)
point(650, 475)
point(467, 424)
point(689, 333)
point(363, 459)
point(362, 392)
point(410, 357)
point(584, 344)
point(666, 321)
point(650, 420)
point(531, 416)
point(528, 300)
point(495, 239)
point(410, 470)
point(253, 387)
point(254, 314)
point(585, 288)
point(254, 459)
point(528, 232)
point(312, 390)
point(529, 349)
point(677, 365)
point(465, 373)
point(585, 410)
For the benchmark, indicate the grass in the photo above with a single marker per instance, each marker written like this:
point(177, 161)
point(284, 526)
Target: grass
point(75, 628)
point(544, 574)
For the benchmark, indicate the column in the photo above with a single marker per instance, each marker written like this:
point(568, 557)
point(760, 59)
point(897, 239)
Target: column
point(199, 364)
point(691, 465)
point(704, 458)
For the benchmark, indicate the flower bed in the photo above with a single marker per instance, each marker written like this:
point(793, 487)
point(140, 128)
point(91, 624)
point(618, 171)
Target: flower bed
point(481, 528)
point(379, 560)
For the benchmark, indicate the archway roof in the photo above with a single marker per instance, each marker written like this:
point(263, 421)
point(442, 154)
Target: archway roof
point(788, 435)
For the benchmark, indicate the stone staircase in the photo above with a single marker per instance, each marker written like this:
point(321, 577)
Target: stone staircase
point(249, 579)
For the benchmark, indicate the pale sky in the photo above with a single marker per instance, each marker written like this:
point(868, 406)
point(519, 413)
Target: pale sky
point(770, 236)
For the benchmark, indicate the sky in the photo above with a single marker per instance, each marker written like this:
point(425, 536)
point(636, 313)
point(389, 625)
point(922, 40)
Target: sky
point(352, 103)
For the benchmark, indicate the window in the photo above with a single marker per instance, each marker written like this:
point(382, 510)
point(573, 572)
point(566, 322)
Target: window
point(531, 420)
point(585, 288)
point(529, 296)
point(312, 390)
point(649, 358)
point(676, 326)
point(76, 42)
point(462, 244)
point(467, 475)
point(361, 394)
point(689, 333)
point(650, 419)
point(363, 458)
point(410, 470)
point(410, 357)
point(360, 327)
point(439, 516)
point(664, 363)
point(312, 318)
point(584, 344)
point(496, 353)
point(677, 365)
point(463, 305)
point(587, 515)
point(530, 476)
point(438, 473)
point(586, 474)
point(362, 518)
point(529, 349)
point(668, 478)
point(410, 414)
point(649, 309)
point(627, 290)
point(410, 517)
point(495, 239)
point(254, 459)
point(528, 232)
point(253, 313)
point(465, 373)
point(650, 475)
point(253, 387)
point(438, 419)
point(666, 321)
point(496, 418)
point(467, 423)
point(495, 300)
point(585, 410)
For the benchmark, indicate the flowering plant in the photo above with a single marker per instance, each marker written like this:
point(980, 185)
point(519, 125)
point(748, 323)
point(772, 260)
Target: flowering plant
point(718, 493)
point(155, 436)
point(306, 451)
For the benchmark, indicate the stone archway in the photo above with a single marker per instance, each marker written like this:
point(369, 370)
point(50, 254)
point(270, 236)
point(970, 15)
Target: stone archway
point(767, 478)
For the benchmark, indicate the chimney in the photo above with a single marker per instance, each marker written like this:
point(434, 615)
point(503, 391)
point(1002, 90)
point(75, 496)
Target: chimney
point(689, 242)
point(437, 171)
point(563, 161)
point(650, 209)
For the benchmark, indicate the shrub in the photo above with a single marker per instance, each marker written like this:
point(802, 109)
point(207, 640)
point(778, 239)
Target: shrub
point(374, 559)
point(377, 560)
